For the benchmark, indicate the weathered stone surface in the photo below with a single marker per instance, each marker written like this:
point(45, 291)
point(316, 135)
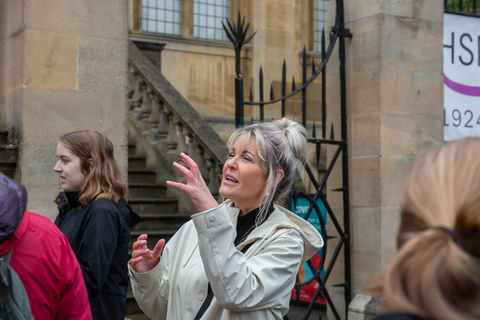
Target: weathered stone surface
point(424, 96)
point(63, 111)
point(358, 307)
point(373, 242)
point(412, 44)
point(63, 67)
point(365, 182)
point(427, 10)
point(13, 113)
point(404, 135)
point(10, 27)
point(12, 68)
point(223, 125)
point(102, 65)
point(394, 170)
point(50, 60)
point(35, 172)
point(206, 83)
point(366, 128)
point(394, 105)
point(365, 268)
point(153, 51)
point(97, 19)
point(362, 94)
point(388, 235)
point(358, 10)
point(366, 223)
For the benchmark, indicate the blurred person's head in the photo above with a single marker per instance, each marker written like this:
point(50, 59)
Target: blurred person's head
point(13, 203)
point(436, 271)
point(86, 164)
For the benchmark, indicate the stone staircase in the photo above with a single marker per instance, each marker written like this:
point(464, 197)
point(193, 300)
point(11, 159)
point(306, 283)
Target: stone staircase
point(162, 124)
point(8, 155)
point(159, 212)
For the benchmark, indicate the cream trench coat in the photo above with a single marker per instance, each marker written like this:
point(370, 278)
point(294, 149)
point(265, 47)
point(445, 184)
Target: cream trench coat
point(254, 285)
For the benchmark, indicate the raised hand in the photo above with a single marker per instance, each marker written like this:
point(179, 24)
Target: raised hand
point(196, 188)
point(143, 259)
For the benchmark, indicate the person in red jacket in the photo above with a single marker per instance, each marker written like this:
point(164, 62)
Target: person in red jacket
point(42, 258)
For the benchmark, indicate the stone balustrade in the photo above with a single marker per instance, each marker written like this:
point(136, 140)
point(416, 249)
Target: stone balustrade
point(165, 125)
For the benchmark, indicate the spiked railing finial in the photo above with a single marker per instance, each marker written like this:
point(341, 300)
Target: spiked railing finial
point(237, 33)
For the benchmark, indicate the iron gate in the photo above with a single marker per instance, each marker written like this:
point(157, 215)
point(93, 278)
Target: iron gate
point(237, 34)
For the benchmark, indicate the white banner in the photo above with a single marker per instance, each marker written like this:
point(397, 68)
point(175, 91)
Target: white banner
point(461, 71)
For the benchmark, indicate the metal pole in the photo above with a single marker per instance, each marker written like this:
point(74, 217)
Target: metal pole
point(343, 105)
point(238, 102)
point(304, 91)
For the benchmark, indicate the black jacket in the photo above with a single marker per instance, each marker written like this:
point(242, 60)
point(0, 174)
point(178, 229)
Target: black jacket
point(99, 234)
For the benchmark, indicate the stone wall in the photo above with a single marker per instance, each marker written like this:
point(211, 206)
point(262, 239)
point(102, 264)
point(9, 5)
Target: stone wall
point(66, 67)
point(395, 109)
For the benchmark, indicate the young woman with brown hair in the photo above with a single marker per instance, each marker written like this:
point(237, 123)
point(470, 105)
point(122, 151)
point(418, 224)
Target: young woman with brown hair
point(436, 271)
point(95, 217)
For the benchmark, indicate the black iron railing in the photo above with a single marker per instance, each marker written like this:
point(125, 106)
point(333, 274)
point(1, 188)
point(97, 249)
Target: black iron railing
point(463, 7)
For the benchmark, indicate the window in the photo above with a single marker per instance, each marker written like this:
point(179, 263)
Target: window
point(319, 23)
point(162, 16)
point(207, 19)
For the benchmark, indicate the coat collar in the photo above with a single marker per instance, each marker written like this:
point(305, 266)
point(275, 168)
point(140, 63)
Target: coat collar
point(17, 236)
point(279, 219)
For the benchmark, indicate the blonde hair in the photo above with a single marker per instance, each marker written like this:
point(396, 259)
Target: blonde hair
point(102, 176)
point(436, 272)
point(280, 144)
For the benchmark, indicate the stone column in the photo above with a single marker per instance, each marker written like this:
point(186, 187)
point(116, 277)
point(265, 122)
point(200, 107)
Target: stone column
point(66, 63)
point(395, 109)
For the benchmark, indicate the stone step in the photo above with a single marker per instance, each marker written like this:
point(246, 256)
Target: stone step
point(153, 237)
point(133, 310)
point(159, 215)
point(141, 176)
point(146, 190)
point(154, 206)
point(137, 162)
point(3, 136)
point(161, 221)
point(132, 151)
point(8, 155)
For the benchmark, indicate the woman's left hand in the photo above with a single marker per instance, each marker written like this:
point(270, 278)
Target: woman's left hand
point(196, 188)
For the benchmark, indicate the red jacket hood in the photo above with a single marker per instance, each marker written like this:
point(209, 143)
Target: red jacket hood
point(17, 236)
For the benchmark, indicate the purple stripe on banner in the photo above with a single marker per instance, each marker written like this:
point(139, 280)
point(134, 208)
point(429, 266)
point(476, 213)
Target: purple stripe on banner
point(461, 88)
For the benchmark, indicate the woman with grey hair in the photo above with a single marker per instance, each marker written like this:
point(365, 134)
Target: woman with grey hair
point(237, 260)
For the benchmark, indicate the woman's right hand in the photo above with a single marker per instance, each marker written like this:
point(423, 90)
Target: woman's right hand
point(144, 260)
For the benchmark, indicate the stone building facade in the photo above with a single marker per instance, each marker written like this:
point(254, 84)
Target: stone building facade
point(395, 109)
point(63, 67)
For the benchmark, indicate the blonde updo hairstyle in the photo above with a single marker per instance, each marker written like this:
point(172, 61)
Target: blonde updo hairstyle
point(436, 272)
point(280, 145)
